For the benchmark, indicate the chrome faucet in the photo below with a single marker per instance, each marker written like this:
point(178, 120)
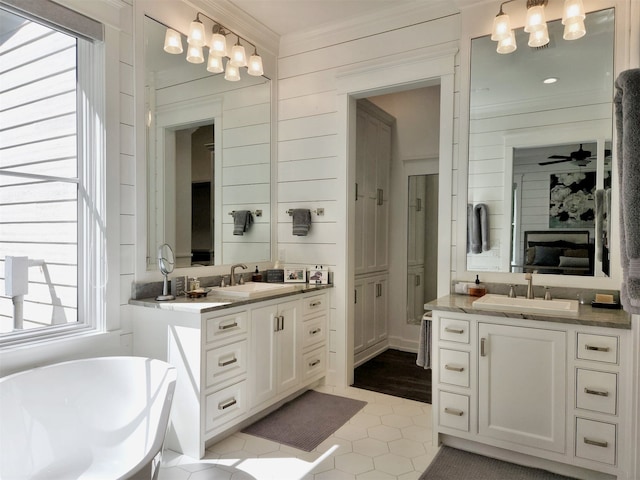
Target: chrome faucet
point(232, 277)
point(529, 278)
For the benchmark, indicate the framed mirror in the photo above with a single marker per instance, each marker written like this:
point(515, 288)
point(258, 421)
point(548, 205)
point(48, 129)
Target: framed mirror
point(539, 117)
point(208, 152)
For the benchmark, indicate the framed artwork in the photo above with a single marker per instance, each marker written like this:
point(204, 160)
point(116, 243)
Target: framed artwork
point(572, 200)
point(319, 276)
point(295, 275)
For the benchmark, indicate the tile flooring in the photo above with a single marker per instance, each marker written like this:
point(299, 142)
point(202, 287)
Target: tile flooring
point(389, 439)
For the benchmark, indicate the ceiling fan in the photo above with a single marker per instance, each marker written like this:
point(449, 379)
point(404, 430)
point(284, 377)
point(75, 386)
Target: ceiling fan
point(580, 157)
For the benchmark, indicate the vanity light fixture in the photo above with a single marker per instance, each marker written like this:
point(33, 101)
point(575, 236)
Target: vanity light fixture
point(536, 25)
point(196, 40)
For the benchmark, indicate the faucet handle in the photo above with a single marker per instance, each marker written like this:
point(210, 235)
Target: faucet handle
point(547, 293)
point(241, 281)
point(512, 291)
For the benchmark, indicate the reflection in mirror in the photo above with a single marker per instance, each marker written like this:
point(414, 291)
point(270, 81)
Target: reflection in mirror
point(517, 121)
point(208, 154)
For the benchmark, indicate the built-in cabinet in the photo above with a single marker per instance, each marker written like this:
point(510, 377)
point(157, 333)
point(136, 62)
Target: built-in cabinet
point(235, 363)
point(559, 393)
point(371, 263)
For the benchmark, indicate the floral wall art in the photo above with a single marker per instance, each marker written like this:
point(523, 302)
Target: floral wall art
point(572, 200)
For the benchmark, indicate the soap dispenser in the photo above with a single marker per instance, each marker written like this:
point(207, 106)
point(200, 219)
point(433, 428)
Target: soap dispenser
point(478, 290)
point(256, 276)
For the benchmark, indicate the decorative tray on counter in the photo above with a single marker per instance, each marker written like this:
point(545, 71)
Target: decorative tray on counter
point(197, 293)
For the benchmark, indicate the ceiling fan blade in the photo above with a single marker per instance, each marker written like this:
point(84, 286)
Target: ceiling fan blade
point(560, 156)
point(565, 159)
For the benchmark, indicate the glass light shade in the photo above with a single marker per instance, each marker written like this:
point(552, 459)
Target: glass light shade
point(196, 34)
point(501, 27)
point(172, 41)
point(232, 73)
point(194, 54)
point(254, 67)
point(539, 38)
point(214, 63)
point(535, 19)
point(574, 29)
point(219, 44)
point(238, 57)
point(508, 44)
point(572, 9)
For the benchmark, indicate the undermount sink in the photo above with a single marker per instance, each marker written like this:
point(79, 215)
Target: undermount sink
point(503, 303)
point(254, 289)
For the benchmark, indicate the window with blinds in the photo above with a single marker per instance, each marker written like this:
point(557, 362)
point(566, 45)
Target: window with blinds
point(51, 178)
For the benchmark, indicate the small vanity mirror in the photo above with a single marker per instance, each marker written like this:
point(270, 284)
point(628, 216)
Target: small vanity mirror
point(208, 150)
point(166, 263)
point(540, 133)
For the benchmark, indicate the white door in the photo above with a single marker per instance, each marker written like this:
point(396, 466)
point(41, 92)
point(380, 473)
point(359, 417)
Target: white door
point(522, 387)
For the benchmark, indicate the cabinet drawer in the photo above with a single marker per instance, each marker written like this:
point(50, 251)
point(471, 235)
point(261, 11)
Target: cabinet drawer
point(453, 411)
point(317, 303)
point(224, 405)
point(601, 348)
point(314, 331)
point(219, 328)
point(314, 363)
point(454, 330)
point(226, 362)
point(596, 391)
point(454, 367)
point(596, 441)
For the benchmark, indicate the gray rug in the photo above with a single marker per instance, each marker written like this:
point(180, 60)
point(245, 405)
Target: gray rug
point(306, 421)
point(453, 464)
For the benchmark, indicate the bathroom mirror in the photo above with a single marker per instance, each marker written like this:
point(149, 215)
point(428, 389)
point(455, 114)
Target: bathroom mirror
point(530, 113)
point(208, 150)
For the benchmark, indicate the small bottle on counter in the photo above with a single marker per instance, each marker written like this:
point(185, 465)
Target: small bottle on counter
point(478, 290)
point(256, 276)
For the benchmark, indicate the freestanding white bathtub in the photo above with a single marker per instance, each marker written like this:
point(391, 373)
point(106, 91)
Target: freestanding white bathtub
point(99, 418)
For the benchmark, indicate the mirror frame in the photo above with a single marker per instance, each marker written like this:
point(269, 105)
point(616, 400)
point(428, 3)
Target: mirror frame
point(477, 22)
point(179, 15)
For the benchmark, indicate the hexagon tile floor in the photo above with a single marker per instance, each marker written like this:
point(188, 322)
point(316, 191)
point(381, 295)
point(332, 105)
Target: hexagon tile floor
point(389, 439)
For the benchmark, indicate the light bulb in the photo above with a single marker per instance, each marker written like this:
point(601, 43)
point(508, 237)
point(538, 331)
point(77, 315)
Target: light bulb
point(194, 54)
point(572, 9)
point(232, 73)
point(172, 41)
point(254, 66)
point(214, 63)
point(196, 34)
point(238, 56)
point(539, 38)
point(219, 44)
point(535, 19)
point(507, 44)
point(501, 27)
point(574, 29)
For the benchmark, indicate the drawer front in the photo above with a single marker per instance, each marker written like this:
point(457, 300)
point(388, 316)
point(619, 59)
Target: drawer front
point(454, 367)
point(314, 363)
point(601, 348)
point(596, 441)
point(219, 328)
point(596, 391)
point(225, 405)
point(453, 411)
point(226, 362)
point(314, 331)
point(315, 304)
point(453, 330)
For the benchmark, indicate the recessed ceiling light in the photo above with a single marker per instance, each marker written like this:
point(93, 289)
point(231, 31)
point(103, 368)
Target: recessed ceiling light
point(550, 80)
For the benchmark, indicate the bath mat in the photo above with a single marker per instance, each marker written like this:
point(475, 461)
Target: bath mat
point(453, 464)
point(306, 421)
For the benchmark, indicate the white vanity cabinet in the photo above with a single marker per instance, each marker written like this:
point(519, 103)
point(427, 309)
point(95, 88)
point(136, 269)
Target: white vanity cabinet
point(555, 392)
point(233, 363)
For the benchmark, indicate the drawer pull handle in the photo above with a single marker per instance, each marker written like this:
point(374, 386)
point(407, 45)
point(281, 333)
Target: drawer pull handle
point(316, 331)
point(315, 304)
point(228, 362)
point(230, 403)
point(483, 352)
point(459, 331)
point(314, 363)
point(596, 443)
point(229, 325)
point(453, 411)
point(597, 349)
point(453, 368)
point(591, 391)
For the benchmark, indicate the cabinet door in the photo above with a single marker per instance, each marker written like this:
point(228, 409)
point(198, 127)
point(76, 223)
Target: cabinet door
point(522, 387)
point(288, 365)
point(263, 354)
point(358, 318)
point(381, 307)
point(383, 163)
point(369, 311)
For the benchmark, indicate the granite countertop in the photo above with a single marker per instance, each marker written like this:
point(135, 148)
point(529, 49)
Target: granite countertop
point(213, 302)
point(587, 315)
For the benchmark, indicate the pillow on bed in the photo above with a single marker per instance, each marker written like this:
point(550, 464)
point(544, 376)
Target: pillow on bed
point(548, 256)
point(531, 255)
point(576, 252)
point(576, 262)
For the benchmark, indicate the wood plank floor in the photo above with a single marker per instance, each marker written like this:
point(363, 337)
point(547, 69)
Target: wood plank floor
point(395, 373)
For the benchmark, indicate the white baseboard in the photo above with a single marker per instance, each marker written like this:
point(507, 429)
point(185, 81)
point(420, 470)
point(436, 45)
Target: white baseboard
point(369, 353)
point(403, 344)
